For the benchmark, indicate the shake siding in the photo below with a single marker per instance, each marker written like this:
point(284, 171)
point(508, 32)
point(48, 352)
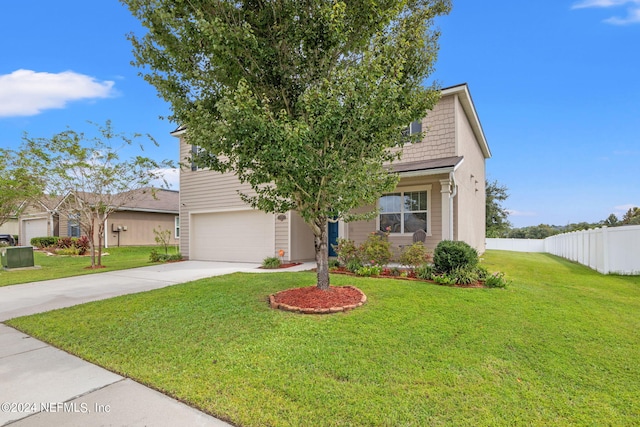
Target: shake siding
point(439, 138)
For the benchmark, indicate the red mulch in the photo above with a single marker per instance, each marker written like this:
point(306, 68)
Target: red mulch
point(95, 267)
point(312, 297)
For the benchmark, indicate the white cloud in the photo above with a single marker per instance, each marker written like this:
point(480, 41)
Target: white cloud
point(171, 176)
point(601, 3)
point(632, 18)
point(513, 212)
point(624, 208)
point(27, 92)
point(633, 12)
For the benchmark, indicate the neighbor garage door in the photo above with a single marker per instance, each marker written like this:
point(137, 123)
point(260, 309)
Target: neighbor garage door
point(246, 236)
point(33, 228)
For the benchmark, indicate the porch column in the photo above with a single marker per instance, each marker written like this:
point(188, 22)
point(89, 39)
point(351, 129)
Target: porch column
point(445, 191)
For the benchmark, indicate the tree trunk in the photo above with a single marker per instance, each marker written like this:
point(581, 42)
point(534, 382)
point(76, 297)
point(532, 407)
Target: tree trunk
point(92, 244)
point(322, 253)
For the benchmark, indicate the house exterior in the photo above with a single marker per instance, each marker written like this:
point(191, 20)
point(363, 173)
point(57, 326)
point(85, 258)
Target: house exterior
point(131, 225)
point(441, 190)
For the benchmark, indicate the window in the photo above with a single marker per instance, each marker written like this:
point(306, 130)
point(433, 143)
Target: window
point(177, 227)
point(413, 128)
point(404, 212)
point(73, 226)
point(194, 153)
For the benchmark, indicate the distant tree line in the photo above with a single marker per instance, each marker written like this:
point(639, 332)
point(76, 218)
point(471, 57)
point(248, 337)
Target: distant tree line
point(498, 225)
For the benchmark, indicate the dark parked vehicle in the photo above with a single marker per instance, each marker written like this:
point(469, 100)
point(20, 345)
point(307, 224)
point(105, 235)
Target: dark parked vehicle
point(7, 240)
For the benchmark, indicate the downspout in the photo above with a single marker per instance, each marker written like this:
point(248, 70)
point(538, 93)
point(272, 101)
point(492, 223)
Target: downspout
point(106, 245)
point(454, 193)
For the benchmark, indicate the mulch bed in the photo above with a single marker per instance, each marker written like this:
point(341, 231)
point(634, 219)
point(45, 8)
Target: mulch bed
point(291, 264)
point(386, 274)
point(311, 300)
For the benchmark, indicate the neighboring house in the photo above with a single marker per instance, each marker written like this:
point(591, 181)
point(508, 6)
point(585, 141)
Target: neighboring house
point(130, 225)
point(10, 226)
point(442, 183)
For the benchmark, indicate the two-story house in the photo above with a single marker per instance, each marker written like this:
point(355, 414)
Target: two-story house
point(441, 190)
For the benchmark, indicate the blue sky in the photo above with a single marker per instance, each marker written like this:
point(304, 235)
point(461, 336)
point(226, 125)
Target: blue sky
point(556, 85)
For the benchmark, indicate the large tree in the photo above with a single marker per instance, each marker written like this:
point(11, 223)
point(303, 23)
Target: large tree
point(304, 100)
point(497, 223)
point(86, 172)
point(17, 184)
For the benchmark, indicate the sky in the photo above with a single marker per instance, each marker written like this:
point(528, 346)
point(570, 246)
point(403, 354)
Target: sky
point(556, 85)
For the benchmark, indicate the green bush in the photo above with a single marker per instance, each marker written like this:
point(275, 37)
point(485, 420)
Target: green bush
point(354, 265)
point(68, 251)
point(413, 255)
point(464, 275)
point(44, 242)
point(444, 279)
point(369, 270)
point(424, 272)
point(496, 280)
point(271, 262)
point(156, 256)
point(347, 251)
point(376, 250)
point(450, 255)
point(334, 263)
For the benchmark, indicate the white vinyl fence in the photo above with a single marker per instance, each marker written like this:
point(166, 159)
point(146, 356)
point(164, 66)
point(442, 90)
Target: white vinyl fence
point(607, 250)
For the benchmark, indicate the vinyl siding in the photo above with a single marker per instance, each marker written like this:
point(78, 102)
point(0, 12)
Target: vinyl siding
point(470, 203)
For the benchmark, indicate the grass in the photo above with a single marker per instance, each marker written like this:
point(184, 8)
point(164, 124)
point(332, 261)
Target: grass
point(56, 267)
point(558, 347)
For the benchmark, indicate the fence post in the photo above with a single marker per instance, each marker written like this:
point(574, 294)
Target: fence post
point(605, 250)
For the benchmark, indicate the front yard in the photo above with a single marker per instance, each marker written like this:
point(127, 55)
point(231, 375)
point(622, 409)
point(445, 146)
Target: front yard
point(55, 267)
point(559, 346)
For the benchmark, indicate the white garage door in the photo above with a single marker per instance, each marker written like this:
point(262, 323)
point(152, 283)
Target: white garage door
point(247, 236)
point(33, 228)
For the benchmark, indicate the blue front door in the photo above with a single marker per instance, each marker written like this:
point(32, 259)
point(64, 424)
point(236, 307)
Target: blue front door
point(332, 230)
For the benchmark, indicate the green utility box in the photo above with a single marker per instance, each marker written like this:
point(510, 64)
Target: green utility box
point(16, 256)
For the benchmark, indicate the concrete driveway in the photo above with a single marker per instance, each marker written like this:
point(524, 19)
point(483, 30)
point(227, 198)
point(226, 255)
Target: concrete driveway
point(43, 386)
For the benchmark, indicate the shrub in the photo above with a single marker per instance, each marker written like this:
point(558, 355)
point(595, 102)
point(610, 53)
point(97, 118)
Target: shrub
point(424, 272)
point(82, 244)
point(369, 270)
point(334, 263)
point(496, 280)
point(271, 262)
point(444, 279)
point(413, 255)
point(64, 243)
point(450, 255)
point(354, 265)
point(44, 242)
point(464, 275)
point(376, 250)
point(68, 251)
point(347, 251)
point(156, 256)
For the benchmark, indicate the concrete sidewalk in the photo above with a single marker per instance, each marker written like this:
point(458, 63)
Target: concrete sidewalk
point(44, 386)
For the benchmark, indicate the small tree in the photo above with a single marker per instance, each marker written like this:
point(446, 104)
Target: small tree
point(631, 217)
point(162, 238)
point(497, 224)
point(17, 184)
point(304, 101)
point(88, 173)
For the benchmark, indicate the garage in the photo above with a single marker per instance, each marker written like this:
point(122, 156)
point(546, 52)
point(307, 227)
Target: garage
point(243, 236)
point(36, 227)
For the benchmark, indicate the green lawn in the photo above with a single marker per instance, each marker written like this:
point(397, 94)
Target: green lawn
point(55, 267)
point(559, 346)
